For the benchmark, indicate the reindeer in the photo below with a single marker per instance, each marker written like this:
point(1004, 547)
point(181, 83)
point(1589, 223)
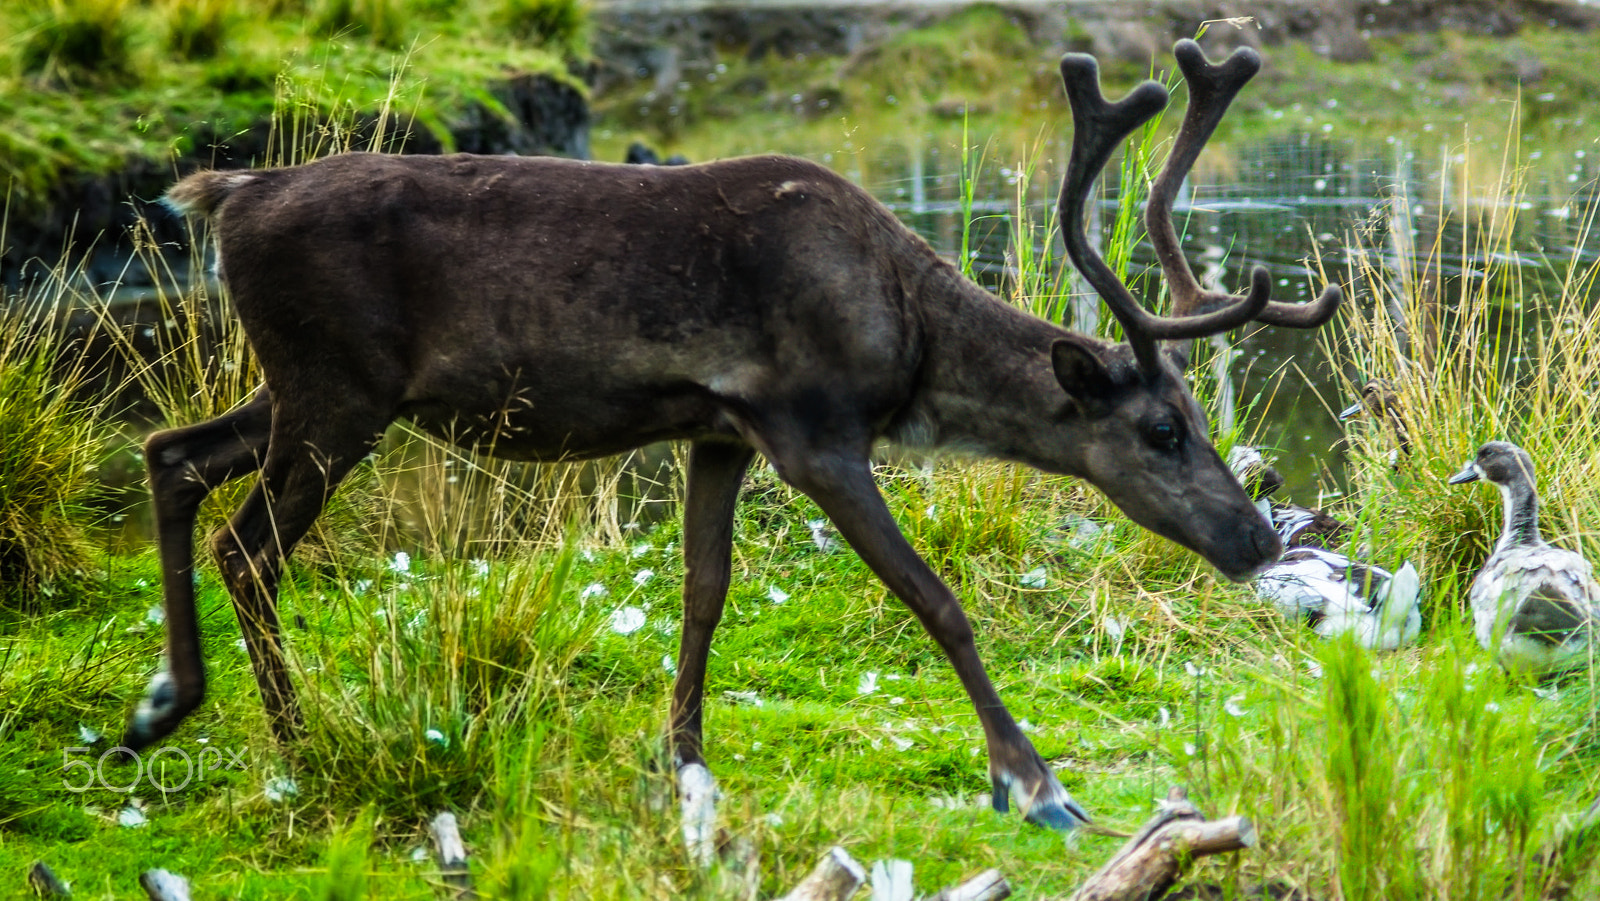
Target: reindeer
point(553, 309)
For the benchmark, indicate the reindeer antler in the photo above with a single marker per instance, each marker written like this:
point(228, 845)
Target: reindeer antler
point(1211, 89)
point(1099, 127)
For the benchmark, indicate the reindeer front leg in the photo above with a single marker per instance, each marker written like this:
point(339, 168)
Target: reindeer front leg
point(842, 485)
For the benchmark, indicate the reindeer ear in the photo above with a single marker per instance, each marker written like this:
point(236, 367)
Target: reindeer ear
point(1081, 372)
point(1178, 353)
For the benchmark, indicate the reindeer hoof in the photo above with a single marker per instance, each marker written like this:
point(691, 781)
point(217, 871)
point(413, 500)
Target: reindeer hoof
point(1051, 806)
point(697, 797)
point(158, 713)
point(1059, 817)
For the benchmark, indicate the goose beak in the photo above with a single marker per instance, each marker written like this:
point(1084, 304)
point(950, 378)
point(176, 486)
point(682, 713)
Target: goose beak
point(1350, 412)
point(1467, 474)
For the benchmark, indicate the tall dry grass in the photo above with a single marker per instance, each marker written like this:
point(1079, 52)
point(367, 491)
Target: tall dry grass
point(53, 439)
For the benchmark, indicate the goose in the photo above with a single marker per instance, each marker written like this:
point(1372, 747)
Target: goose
point(1336, 595)
point(1296, 526)
point(1314, 583)
point(1533, 604)
point(1380, 400)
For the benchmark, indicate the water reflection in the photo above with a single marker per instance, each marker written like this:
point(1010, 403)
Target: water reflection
point(1430, 221)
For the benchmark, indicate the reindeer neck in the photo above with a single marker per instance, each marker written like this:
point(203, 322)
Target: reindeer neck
point(986, 381)
point(1521, 526)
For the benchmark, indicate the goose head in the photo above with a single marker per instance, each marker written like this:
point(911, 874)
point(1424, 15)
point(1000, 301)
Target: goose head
point(1499, 462)
point(1380, 399)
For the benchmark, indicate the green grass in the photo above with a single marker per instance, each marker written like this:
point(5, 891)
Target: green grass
point(481, 673)
point(561, 25)
point(83, 43)
point(199, 29)
point(88, 86)
point(549, 725)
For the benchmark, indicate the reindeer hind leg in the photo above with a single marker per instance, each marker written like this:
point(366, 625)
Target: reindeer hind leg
point(302, 469)
point(185, 466)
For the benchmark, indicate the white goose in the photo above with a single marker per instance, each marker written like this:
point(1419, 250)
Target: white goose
point(1534, 605)
point(1336, 596)
point(1332, 593)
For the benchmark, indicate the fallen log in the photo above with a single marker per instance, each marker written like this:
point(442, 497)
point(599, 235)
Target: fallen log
point(989, 885)
point(835, 878)
point(891, 880)
point(451, 854)
point(1156, 856)
point(740, 873)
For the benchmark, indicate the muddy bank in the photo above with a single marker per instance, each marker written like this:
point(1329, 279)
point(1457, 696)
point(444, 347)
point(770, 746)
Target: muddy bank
point(662, 40)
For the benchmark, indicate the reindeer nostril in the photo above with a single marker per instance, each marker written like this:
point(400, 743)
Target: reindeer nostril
point(1267, 543)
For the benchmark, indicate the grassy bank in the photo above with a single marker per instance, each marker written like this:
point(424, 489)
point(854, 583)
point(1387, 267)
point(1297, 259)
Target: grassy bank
point(91, 87)
point(981, 66)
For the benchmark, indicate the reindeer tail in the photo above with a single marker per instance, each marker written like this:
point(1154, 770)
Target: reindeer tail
point(201, 193)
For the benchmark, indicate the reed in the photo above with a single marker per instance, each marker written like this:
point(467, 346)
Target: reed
point(1477, 347)
point(53, 439)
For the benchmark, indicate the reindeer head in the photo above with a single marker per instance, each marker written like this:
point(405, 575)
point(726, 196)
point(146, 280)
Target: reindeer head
point(1151, 452)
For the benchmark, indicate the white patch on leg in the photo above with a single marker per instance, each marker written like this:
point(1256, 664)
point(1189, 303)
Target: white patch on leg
point(697, 795)
point(1050, 794)
point(157, 699)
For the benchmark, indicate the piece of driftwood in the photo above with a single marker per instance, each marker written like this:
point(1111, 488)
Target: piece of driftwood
point(451, 853)
point(164, 885)
point(986, 886)
point(44, 883)
point(1155, 857)
point(835, 878)
point(892, 880)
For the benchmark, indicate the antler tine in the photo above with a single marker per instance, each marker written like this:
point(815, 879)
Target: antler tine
point(1303, 315)
point(1099, 127)
point(1212, 88)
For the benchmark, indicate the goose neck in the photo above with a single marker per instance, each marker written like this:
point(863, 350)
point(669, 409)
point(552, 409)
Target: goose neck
point(1521, 525)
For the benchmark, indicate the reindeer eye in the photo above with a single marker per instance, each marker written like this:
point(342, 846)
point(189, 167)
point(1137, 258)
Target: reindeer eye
point(1162, 435)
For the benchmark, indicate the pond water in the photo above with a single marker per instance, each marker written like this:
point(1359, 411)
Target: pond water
point(1275, 203)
